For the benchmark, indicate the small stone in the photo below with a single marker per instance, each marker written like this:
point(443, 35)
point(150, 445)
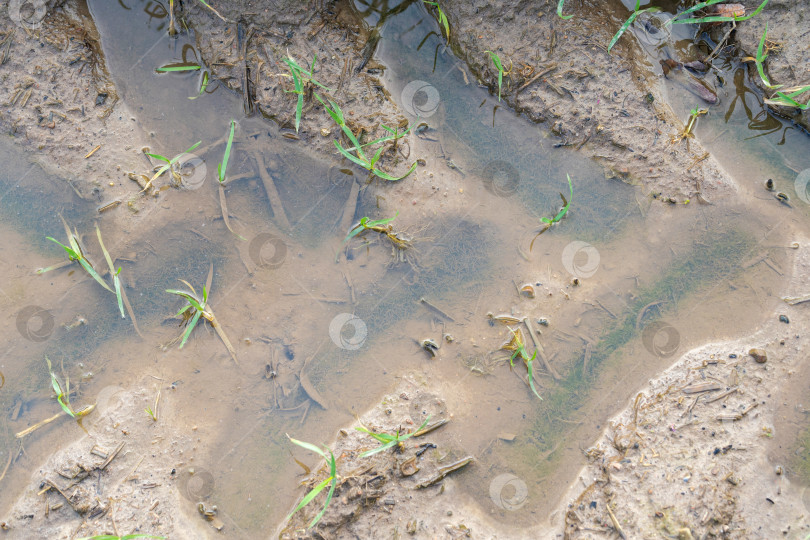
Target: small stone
point(784, 319)
point(759, 355)
point(325, 132)
point(779, 470)
point(508, 437)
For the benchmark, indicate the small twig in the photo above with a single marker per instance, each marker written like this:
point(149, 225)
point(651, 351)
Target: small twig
point(615, 522)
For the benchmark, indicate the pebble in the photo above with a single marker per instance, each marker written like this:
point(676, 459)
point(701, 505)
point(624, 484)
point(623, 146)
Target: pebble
point(784, 319)
point(759, 355)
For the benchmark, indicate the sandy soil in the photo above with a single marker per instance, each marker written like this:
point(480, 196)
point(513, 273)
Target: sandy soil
point(595, 101)
point(60, 102)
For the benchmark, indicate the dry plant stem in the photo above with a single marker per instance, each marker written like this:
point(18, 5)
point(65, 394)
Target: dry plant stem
point(35, 427)
point(270, 189)
point(224, 207)
point(131, 312)
point(347, 219)
point(5, 469)
point(306, 384)
point(615, 522)
point(540, 352)
point(221, 333)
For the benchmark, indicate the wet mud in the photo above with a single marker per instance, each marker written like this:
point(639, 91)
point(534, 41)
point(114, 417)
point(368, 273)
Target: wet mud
point(677, 241)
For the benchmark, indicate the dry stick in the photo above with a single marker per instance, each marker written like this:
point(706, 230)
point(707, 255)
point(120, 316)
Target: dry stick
point(615, 522)
point(530, 81)
point(307, 385)
point(112, 456)
point(223, 206)
point(270, 189)
point(720, 43)
point(35, 427)
point(350, 208)
point(539, 349)
point(221, 333)
point(131, 312)
point(5, 469)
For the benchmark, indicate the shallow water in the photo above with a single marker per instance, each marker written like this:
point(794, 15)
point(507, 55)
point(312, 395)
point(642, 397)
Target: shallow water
point(708, 273)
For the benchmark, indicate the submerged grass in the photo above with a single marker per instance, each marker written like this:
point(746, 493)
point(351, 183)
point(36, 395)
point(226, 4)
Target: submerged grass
point(170, 162)
point(197, 307)
point(442, 17)
point(705, 265)
point(516, 344)
point(75, 253)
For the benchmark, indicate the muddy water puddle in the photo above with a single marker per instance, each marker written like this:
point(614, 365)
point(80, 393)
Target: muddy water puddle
point(319, 341)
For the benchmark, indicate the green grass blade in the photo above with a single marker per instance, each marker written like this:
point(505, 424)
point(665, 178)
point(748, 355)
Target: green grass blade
point(72, 255)
point(309, 496)
point(326, 504)
point(329, 495)
point(191, 326)
point(627, 24)
point(760, 61)
point(308, 446)
point(117, 285)
point(299, 107)
point(382, 437)
point(227, 153)
point(183, 310)
point(180, 66)
point(715, 18)
point(390, 178)
point(203, 86)
point(417, 430)
point(379, 449)
point(158, 156)
point(531, 381)
point(86, 265)
point(104, 251)
point(560, 11)
point(352, 157)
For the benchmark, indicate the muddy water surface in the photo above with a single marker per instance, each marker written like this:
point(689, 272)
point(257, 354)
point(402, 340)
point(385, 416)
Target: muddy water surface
point(320, 341)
